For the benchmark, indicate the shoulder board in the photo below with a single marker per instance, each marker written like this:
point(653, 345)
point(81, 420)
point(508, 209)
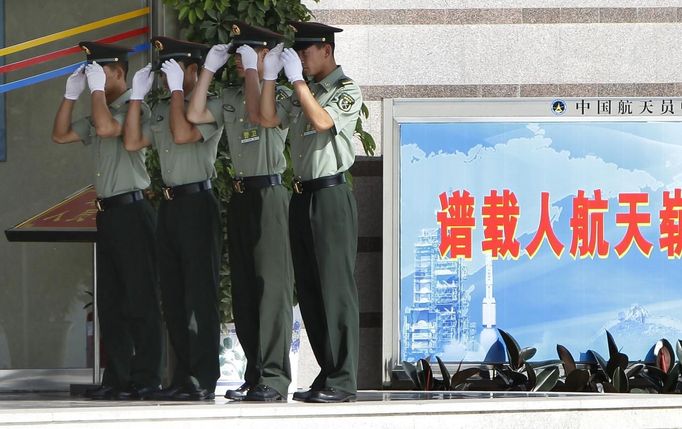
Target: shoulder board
point(345, 82)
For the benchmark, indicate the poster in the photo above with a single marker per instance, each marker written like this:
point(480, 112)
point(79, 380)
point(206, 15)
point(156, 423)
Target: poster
point(579, 220)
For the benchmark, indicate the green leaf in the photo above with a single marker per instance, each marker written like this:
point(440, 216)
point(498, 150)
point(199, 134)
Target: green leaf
point(527, 353)
point(425, 374)
point(199, 12)
point(566, 358)
point(192, 16)
point(634, 370)
point(546, 380)
point(620, 381)
point(444, 373)
point(462, 376)
point(576, 381)
point(673, 378)
point(613, 348)
point(601, 363)
point(208, 4)
point(183, 13)
point(513, 351)
point(411, 372)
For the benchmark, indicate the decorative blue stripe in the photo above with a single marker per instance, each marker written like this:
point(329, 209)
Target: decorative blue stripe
point(56, 73)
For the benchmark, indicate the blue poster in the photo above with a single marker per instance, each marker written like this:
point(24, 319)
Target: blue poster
point(551, 231)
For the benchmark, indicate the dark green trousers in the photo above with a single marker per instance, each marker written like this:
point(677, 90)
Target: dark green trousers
point(127, 300)
point(324, 229)
point(262, 283)
point(190, 243)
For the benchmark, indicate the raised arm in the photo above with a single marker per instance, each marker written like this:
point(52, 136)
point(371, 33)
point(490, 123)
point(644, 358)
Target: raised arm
point(133, 138)
point(183, 131)
point(61, 129)
point(103, 120)
point(317, 116)
point(197, 112)
point(251, 82)
point(272, 64)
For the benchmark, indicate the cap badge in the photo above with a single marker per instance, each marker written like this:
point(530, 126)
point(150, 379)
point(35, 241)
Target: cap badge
point(86, 50)
point(236, 30)
point(158, 45)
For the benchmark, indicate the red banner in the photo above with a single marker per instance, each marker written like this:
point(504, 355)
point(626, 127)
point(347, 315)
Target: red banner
point(70, 220)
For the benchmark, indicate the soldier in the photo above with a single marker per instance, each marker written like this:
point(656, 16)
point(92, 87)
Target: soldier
point(189, 227)
point(126, 259)
point(260, 259)
point(321, 117)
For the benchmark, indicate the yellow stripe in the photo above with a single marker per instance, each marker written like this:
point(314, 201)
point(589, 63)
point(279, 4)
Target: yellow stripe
point(73, 31)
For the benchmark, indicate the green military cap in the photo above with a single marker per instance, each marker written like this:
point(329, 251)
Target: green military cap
point(256, 37)
point(104, 53)
point(310, 33)
point(169, 48)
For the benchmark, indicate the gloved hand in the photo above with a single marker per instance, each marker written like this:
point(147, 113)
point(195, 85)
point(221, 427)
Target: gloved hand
point(142, 82)
point(272, 63)
point(292, 65)
point(174, 75)
point(75, 84)
point(217, 57)
point(249, 57)
point(96, 77)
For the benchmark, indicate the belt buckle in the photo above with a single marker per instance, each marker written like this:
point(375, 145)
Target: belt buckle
point(99, 205)
point(168, 193)
point(298, 186)
point(238, 186)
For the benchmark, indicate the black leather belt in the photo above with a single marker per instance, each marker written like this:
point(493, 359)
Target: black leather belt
point(173, 192)
point(319, 183)
point(118, 200)
point(241, 184)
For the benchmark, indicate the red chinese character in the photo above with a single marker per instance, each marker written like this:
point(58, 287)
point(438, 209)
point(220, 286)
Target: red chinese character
point(500, 215)
point(456, 223)
point(633, 221)
point(587, 224)
point(545, 230)
point(671, 224)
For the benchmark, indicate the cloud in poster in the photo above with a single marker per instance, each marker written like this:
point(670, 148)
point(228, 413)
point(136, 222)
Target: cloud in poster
point(526, 165)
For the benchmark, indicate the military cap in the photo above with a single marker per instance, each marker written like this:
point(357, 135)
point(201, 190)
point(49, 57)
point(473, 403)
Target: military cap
point(104, 53)
point(310, 33)
point(168, 48)
point(256, 37)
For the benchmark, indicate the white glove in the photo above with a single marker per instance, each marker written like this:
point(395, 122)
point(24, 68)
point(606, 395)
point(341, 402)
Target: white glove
point(75, 84)
point(272, 63)
point(174, 75)
point(249, 57)
point(292, 65)
point(142, 82)
point(96, 77)
point(217, 57)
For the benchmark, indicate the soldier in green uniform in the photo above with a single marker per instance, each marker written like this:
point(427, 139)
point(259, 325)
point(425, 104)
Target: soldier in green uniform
point(321, 117)
point(189, 229)
point(260, 259)
point(126, 259)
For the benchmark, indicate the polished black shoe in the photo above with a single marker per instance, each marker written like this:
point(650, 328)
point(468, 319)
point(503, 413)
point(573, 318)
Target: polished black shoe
point(137, 393)
point(237, 394)
point(165, 394)
point(101, 393)
point(191, 393)
point(264, 393)
point(330, 395)
point(302, 395)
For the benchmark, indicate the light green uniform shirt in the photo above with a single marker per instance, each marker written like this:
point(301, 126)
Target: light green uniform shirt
point(181, 163)
point(117, 171)
point(329, 152)
point(254, 150)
